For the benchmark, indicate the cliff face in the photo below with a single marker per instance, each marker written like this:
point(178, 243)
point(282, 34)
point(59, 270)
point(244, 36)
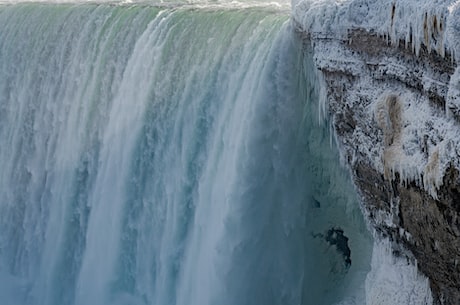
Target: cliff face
point(391, 89)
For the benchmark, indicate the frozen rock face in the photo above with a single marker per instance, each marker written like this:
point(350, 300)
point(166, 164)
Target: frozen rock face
point(392, 93)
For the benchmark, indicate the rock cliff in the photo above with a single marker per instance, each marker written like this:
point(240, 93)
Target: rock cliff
point(389, 72)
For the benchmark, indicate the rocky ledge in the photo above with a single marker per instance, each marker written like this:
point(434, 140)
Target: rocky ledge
point(391, 91)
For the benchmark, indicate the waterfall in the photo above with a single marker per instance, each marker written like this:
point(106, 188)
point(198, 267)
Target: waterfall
point(169, 155)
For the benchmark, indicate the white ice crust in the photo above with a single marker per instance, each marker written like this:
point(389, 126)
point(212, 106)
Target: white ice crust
point(433, 25)
point(394, 280)
point(426, 140)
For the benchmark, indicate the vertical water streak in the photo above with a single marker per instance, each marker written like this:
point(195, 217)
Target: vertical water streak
point(60, 66)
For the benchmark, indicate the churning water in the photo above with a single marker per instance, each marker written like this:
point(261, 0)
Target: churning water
point(169, 155)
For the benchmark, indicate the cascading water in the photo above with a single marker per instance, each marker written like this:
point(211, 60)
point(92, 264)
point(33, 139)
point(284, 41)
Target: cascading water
point(168, 155)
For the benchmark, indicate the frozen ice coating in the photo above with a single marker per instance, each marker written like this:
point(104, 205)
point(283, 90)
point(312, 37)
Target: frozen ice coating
point(393, 281)
point(392, 89)
point(429, 23)
point(432, 25)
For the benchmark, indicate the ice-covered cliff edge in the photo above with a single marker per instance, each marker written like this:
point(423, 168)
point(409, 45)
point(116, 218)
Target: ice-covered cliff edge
point(392, 90)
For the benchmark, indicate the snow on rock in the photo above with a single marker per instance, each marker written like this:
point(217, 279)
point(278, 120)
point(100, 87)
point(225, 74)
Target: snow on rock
point(430, 23)
point(427, 141)
point(395, 280)
point(408, 123)
point(391, 88)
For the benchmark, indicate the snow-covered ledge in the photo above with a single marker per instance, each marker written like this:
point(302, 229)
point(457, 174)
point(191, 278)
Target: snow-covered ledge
point(393, 95)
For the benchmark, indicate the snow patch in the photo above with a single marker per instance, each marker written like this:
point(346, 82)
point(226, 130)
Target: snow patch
point(395, 280)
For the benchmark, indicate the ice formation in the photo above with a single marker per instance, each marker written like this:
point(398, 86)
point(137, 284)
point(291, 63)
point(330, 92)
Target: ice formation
point(393, 280)
point(428, 23)
point(427, 143)
point(391, 65)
